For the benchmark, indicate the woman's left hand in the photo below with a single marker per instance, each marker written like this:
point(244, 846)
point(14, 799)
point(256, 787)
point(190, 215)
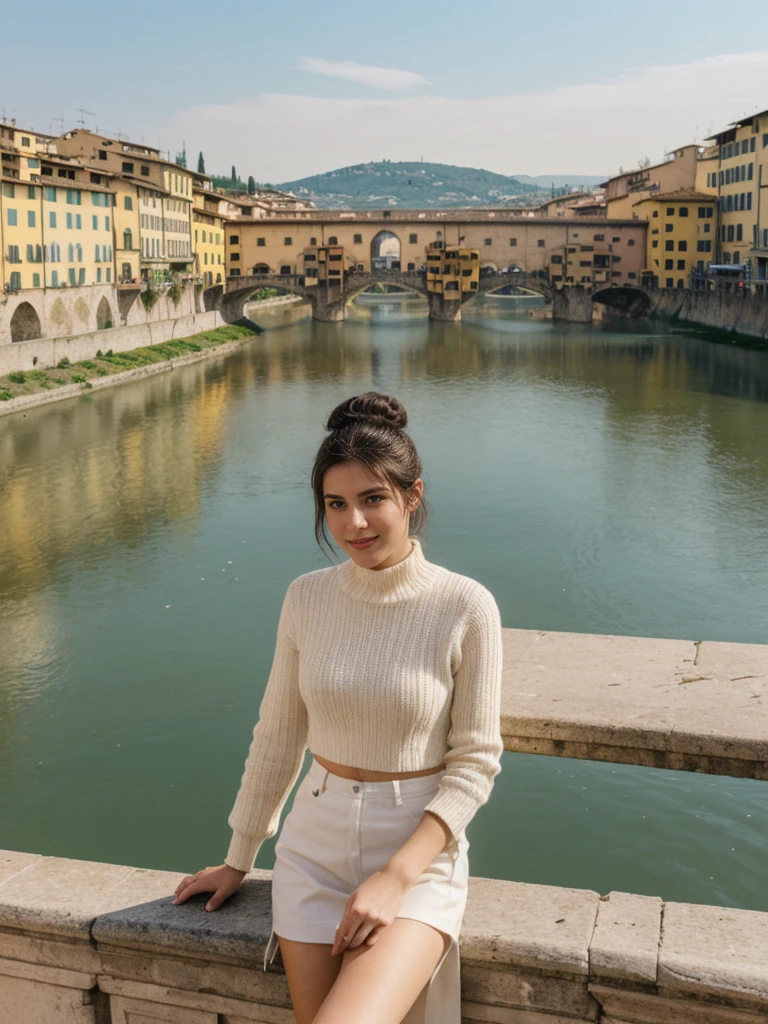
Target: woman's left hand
point(371, 908)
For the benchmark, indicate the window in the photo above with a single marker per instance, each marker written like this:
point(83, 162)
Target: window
point(313, 241)
point(739, 233)
point(707, 228)
point(102, 154)
point(669, 245)
point(30, 218)
point(599, 238)
point(615, 238)
point(35, 280)
point(630, 242)
point(73, 197)
point(95, 179)
point(333, 240)
point(682, 246)
point(128, 202)
point(25, 140)
point(50, 194)
point(585, 263)
point(683, 211)
point(81, 275)
point(127, 239)
point(261, 241)
point(52, 219)
point(358, 240)
point(72, 277)
point(95, 221)
point(750, 169)
point(78, 222)
point(487, 241)
point(513, 241)
point(704, 246)
point(287, 240)
point(669, 264)
point(669, 227)
point(655, 213)
point(413, 239)
point(13, 218)
point(556, 259)
point(234, 239)
point(106, 223)
point(540, 243)
point(127, 167)
point(235, 257)
point(745, 145)
point(632, 275)
point(13, 254)
point(15, 282)
point(681, 264)
point(285, 269)
point(749, 200)
point(655, 244)
point(31, 192)
point(670, 211)
point(670, 282)
point(730, 233)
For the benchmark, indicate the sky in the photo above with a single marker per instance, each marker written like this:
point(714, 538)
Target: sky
point(285, 91)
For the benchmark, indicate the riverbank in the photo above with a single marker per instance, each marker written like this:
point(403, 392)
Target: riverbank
point(25, 389)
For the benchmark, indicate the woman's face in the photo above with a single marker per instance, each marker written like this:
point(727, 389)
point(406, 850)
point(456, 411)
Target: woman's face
point(362, 507)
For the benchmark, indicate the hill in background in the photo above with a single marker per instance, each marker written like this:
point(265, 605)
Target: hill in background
point(412, 185)
point(585, 181)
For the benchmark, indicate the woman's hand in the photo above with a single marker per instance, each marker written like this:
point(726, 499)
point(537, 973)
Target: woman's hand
point(371, 908)
point(221, 881)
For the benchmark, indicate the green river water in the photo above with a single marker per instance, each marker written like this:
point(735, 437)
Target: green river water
point(595, 480)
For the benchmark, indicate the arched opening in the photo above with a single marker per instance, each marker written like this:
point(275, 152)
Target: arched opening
point(103, 315)
point(127, 239)
point(59, 317)
point(625, 300)
point(25, 323)
point(261, 268)
point(385, 251)
point(81, 310)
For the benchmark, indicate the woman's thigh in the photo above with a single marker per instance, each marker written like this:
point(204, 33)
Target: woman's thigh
point(378, 984)
point(311, 971)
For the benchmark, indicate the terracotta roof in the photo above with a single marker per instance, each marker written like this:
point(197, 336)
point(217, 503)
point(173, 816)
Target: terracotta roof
point(682, 195)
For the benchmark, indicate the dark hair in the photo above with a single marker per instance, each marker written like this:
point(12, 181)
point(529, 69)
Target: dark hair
point(369, 428)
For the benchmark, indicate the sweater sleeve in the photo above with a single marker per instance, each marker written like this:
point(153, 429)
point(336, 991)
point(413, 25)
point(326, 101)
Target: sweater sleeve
point(475, 745)
point(276, 753)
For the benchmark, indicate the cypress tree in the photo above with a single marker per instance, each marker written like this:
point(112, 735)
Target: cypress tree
point(200, 164)
point(251, 186)
point(234, 177)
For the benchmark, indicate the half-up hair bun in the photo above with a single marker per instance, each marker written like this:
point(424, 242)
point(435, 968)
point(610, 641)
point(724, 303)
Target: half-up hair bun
point(370, 408)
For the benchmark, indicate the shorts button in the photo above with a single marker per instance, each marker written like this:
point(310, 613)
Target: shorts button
point(355, 789)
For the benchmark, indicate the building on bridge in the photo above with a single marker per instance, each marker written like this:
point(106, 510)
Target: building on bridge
point(452, 272)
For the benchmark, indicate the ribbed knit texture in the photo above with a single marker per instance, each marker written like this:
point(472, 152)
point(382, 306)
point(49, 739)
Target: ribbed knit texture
point(392, 670)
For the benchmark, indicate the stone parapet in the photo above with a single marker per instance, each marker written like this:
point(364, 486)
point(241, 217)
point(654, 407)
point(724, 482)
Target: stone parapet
point(89, 943)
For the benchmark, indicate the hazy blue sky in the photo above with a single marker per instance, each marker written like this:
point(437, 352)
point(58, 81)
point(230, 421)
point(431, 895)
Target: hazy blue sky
point(284, 90)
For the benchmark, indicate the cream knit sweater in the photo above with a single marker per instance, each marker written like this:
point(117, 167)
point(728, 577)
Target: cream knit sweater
point(393, 670)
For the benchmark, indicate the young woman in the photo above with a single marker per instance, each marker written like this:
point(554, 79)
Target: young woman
point(388, 667)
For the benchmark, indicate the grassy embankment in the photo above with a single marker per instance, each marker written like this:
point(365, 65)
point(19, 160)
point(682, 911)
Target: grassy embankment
point(30, 382)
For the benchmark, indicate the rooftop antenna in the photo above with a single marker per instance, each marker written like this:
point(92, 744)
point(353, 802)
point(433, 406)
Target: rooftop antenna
point(58, 121)
point(82, 113)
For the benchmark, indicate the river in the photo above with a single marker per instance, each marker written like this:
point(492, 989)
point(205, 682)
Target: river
point(596, 480)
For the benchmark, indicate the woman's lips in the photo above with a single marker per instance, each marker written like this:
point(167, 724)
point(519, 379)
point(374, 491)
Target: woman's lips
point(366, 543)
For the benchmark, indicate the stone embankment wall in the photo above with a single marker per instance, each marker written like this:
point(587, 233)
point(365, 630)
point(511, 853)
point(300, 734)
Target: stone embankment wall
point(91, 943)
point(741, 312)
point(39, 354)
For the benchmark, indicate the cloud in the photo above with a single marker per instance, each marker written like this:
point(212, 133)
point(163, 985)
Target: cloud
point(363, 74)
point(587, 128)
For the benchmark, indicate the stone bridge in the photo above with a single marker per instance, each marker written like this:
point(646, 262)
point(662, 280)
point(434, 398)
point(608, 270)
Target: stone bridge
point(230, 298)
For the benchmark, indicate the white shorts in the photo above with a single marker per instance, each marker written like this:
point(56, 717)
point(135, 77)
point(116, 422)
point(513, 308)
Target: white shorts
point(337, 834)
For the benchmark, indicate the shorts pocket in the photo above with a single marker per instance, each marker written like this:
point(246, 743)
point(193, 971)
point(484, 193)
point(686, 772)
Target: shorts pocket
point(414, 805)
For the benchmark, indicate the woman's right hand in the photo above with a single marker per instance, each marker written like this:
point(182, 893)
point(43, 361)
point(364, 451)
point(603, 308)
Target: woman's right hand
point(222, 881)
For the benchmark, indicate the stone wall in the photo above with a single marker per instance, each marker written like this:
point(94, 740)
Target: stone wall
point(55, 312)
point(740, 311)
point(22, 354)
point(89, 943)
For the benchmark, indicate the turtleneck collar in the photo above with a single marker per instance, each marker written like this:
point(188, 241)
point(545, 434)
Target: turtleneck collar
point(408, 578)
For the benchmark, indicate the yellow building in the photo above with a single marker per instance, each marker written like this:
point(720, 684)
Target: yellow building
point(324, 269)
point(20, 151)
point(680, 170)
point(452, 271)
point(54, 236)
point(208, 228)
point(127, 231)
point(682, 236)
point(742, 177)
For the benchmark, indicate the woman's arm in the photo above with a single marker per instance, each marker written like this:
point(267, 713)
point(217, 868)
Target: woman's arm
point(276, 752)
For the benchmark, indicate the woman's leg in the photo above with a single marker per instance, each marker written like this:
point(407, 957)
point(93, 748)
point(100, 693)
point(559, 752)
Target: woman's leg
point(311, 972)
point(378, 984)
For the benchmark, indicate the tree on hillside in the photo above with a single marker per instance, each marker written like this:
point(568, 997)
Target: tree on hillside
point(200, 164)
point(251, 186)
point(234, 177)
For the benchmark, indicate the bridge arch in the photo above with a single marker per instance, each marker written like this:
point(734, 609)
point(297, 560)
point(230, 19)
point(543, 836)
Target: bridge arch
point(25, 323)
point(625, 299)
point(385, 251)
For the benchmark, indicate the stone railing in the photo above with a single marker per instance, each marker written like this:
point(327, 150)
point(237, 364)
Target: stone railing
point(89, 943)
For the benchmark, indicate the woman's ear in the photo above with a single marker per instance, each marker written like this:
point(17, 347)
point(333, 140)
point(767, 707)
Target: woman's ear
point(415, 494)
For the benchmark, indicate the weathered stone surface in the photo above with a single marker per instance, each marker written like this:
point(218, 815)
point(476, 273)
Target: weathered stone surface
point(540, 926)
point(667, 703)
point(29, 1002)
point(139, 1011)
point(202, 1002)
point(506, 986)
point(58, 896)
point(716, 951)
point(476, 1013)
point(11, 863)
point(625, 944)
point(237, 932)
point(621, 1006)
point(47, 975)
point(34, 948)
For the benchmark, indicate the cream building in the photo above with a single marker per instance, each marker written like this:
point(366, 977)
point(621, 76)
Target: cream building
point(680, 170)
point(208, 230)
point(682, 236)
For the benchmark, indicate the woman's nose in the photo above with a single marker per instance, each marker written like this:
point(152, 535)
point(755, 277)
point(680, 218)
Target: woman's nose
point(358, 518)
